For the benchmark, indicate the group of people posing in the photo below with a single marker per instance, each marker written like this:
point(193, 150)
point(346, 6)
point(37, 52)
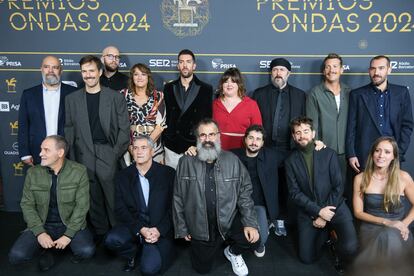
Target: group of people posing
point(120, 163)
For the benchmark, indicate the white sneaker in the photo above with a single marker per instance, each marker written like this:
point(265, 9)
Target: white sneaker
point(237, 262)
point(280, 229)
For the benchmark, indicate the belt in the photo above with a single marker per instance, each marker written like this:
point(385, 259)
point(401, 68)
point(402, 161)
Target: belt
point(142, 129)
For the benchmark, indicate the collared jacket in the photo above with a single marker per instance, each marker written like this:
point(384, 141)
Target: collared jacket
point(72, 192)
point(233, 194)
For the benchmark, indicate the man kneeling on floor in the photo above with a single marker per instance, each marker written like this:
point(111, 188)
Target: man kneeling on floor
point(212, 203)
point(316, 187)
point(143, 196)
point(54, 203)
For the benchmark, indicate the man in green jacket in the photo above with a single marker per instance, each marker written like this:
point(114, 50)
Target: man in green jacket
point(54, 203)
point(327, 106)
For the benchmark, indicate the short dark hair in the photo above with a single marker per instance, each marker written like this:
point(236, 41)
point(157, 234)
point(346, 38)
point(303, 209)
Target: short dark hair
point(332, 56)
point(300, 120)
point(186, 52)
point(235, 75)
point(91, 58)
point(380, 57)
point(61, 142)
point(205, 121)
point(257, 128)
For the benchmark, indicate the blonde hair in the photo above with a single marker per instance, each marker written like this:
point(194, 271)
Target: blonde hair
point(392, 188)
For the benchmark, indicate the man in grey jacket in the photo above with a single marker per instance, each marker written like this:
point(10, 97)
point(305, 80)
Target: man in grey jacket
point(212, 203)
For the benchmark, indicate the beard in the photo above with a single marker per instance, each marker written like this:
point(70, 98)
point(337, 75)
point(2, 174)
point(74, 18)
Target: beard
point(378, 82)
point(278, 82)
point(253, 151)
point(50, 79)
point(208, 151)
point(110, 68)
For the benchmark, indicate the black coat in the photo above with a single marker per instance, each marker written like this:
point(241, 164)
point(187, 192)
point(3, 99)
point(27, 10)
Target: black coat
point(328, 187)
point(161, 180)
point(262, 96)
point(179, 134)
point(267, 170)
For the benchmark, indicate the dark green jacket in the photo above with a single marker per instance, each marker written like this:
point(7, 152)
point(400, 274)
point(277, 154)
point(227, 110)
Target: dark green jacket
point(72, 197)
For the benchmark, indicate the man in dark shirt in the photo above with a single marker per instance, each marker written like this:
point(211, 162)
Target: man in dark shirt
point(97, 129)
point(111, 76)
point(279, 102)
point(377, 109)
point(316, 187)
point(187, 101)
point(54, 203)
point(262, 165)
point(143, 195)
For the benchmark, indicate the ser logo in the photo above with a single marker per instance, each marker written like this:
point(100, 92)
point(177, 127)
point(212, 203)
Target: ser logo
point(162, 63)
point(394, 64)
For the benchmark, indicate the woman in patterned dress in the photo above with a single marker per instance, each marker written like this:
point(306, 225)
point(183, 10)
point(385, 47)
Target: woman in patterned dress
point(146, 108)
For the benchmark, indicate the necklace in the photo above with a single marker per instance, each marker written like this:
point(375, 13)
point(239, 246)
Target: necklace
point(380, 178)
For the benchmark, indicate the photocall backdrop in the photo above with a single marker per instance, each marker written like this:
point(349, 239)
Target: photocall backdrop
point(223, 34)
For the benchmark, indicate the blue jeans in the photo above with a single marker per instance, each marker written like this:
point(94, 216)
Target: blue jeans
point(27, 246)
point(263, 225)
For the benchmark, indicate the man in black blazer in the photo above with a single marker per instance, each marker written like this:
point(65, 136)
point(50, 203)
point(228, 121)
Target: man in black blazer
point(279, 102)
point(187, 101)
point(97, 130)
point(316, 187)
point(46, 98)
point(261, 163)
point(143, 203)
point(377, 109)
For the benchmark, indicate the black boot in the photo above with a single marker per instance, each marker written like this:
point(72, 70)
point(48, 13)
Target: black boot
point(130, 264)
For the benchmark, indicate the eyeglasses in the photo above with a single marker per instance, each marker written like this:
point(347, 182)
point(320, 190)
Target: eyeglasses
point(112, 57)
point(209, 135)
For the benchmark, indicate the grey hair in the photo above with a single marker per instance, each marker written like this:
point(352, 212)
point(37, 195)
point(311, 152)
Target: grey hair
point(61, 142)
point(144, 137)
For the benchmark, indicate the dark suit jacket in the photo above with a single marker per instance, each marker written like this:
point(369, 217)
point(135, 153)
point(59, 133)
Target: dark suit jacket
point(363, 129)
point(327, 181)
point(262, 96)
point(127, 205)
point(113, 115)
point(32, 125)
point(267, 170)
point(181, 120)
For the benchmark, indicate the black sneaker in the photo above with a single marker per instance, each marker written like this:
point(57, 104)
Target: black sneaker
point(130, 265)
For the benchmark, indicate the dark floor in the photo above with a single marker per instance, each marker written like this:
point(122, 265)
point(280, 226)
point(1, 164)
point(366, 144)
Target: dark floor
point(280, 259)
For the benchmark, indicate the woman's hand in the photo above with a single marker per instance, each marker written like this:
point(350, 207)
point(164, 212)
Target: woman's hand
point(400, 226)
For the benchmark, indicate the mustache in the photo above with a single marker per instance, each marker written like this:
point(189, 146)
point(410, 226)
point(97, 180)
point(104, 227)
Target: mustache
point(89, 78)
point(211, 144)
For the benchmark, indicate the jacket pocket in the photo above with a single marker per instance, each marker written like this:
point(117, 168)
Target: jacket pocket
point(68, 193)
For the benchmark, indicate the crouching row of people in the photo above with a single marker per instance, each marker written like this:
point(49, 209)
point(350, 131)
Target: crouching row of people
point(218, 197)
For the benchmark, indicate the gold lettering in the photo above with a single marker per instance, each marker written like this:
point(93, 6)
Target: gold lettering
point(38, 21)
point(13, 5)
point(315, 17)
point(83, 19)
point(69, 23)
point(26, 5)
point(296, 20)
point(93, 8)
point(51, 16)
point(74, 7)
point(275, 3)
point(13, 21)
point(365, 8)
point(290, 5)
point(336, 19)
point(260, 3)
point(345, 8)
point(350, 20)
point(285, 17)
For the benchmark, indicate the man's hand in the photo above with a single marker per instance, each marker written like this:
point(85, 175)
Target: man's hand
point(28, 161)
point(354, 163)
point(319, 145)
point(327, 213)
point(251, 234)
point(188, 237)
point(45, 240)
point(145, 233)
point(62, 242)
point(191, 151)
point(154, 235)
point(319, 223)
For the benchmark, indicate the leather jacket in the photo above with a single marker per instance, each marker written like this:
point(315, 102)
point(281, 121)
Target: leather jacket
point(233, 194)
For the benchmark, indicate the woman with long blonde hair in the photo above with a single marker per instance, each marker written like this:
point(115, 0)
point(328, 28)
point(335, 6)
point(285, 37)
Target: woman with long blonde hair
point(380, 194)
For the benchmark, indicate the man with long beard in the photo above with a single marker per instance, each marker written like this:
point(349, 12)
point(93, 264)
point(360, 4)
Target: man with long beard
point(46, 98)
point(212, 203)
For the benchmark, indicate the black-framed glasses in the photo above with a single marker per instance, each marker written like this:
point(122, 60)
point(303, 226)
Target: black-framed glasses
point(113, 57)
point(209, 135)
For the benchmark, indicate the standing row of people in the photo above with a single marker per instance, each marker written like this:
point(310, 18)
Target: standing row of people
point(99, 133)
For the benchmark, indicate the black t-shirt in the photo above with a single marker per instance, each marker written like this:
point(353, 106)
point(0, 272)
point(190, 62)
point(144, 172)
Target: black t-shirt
point(98, 135)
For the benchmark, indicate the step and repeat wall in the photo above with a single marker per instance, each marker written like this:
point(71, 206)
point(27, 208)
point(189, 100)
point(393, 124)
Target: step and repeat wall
point(246, 34)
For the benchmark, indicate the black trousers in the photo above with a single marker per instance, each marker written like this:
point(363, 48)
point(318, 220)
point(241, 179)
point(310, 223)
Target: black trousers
point(311, 239)
point(202, 253)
